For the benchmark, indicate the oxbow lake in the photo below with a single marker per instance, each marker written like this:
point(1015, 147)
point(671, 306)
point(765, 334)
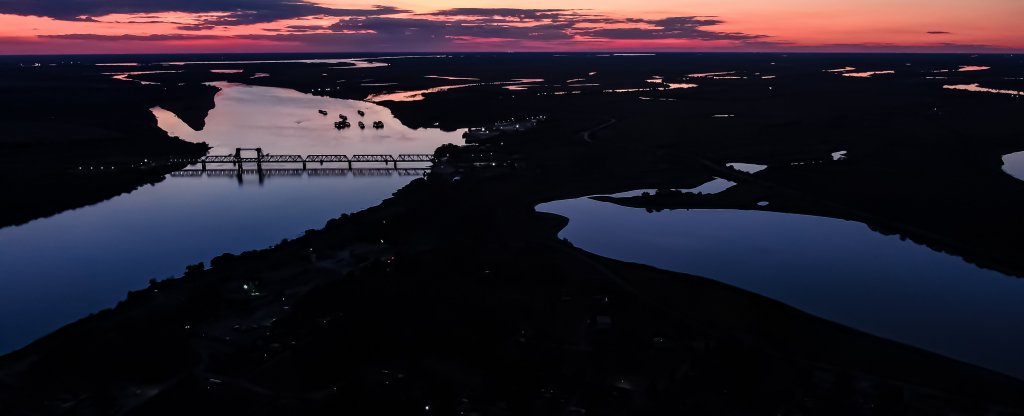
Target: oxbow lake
point(839, 270)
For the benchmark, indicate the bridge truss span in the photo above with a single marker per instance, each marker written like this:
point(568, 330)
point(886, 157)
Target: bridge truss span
point(327, 158)
point(238, 160)
point(415, 158)
point(282, 159)
point(373, 158)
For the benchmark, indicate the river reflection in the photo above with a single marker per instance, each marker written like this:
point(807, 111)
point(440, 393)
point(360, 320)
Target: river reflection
point(59, 269)
point(283, 121)
point(839, 270)
point(1013, 164)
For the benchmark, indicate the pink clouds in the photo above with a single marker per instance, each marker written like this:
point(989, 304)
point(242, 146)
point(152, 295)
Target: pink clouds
point(172, 26)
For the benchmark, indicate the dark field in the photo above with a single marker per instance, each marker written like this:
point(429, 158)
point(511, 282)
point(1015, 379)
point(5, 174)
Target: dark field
point(456, 297)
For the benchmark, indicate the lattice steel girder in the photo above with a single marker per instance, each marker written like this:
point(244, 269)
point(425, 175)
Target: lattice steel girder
point(327, 158)
point(219, 159)
point(415, 158)
point(283, 159)
point(373, 158)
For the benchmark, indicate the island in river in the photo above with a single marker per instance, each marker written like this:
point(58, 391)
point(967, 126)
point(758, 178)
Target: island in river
point(455, 295)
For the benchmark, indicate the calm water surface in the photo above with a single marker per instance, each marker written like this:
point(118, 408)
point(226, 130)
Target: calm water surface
point(1013, 164)
point(284, 121)
point(836, 269)
point(59, 269)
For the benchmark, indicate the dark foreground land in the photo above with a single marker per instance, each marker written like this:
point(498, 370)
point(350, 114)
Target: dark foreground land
point(73, 137)
point(456, 297)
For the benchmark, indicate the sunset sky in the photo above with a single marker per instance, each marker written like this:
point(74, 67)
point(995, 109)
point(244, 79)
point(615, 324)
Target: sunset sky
point(172, 26)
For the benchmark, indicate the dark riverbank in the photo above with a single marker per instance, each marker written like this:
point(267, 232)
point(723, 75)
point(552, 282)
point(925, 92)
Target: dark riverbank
point(504, 317)
point(915, 153)
point(73, 137)
point(456, 295)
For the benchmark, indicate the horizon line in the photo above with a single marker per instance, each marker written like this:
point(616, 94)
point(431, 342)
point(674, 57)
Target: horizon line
point(1009, 52)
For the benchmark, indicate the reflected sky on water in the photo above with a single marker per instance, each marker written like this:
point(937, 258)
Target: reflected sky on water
point(839, 270)
point(58, 269)
point(284, 121)
point(1013, 164)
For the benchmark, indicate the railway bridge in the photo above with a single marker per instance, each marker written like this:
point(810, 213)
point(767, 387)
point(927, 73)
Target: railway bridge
point(240, 158)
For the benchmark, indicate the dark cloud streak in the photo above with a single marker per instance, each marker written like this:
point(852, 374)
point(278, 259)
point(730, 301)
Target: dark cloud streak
point(520, 25)
point(380, 27)
point(235, 12)
point(686, 27)
point(506, 13)
point(136, 38)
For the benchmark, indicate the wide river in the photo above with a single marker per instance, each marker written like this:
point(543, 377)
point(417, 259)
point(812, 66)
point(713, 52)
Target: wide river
point(835, 269)
point(61, 268)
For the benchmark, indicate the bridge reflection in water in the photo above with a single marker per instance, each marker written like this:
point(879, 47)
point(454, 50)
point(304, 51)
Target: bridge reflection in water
point(263, 173)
